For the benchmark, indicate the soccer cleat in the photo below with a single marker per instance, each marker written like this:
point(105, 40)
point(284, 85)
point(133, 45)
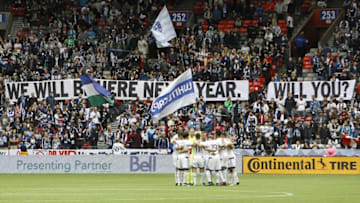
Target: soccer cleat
point(176, 184)
point(210, 184)
point(203, 184)
point(237, 183)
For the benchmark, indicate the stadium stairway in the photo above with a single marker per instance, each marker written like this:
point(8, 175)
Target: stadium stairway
point(18, 23)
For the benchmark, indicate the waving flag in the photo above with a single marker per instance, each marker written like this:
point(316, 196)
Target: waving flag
point(97, 95)
point(178, 94)
point(163, 29)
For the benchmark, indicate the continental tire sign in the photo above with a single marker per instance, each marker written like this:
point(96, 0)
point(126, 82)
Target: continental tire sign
point(301, 165)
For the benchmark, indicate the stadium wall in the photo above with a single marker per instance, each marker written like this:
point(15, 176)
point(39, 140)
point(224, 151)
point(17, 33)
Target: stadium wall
point(155, 161)
point(91, 164)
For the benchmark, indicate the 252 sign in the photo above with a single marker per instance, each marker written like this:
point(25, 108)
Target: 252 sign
point(179, 17)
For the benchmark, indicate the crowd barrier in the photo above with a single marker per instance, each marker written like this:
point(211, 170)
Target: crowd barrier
point(161, 161)
point(91, 164)
point(301, 165)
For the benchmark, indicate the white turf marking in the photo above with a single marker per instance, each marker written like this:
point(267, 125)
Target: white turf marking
point(215, 197)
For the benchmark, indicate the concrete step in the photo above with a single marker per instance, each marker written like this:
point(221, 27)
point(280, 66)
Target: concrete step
point(309, 74)
point(313, 50)
point(309, 78)
point(307, 70)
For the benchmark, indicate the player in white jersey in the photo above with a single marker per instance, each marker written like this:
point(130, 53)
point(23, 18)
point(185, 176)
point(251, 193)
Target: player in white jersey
point(176, 141)
point(213, 163)
point(118, 147)
point(198, 160)
point(223, 158)
point(231, 162)
point(183, 157)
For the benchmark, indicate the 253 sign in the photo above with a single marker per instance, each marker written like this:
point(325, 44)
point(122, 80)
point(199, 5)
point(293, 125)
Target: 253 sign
point(328, 14)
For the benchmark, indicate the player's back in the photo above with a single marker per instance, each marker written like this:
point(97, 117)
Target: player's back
point(186, 144)
point(229, 150)
point(198, 150)
point(117, 148)
point(222, 150)
point(176, 144)
point(213, 145)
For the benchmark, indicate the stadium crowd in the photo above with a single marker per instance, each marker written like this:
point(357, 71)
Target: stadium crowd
point(110, 40)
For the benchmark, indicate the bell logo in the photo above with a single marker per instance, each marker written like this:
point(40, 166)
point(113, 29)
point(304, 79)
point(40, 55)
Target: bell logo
point(142, 166)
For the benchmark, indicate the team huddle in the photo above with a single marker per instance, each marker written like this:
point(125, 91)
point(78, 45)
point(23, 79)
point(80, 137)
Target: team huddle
point(211, 156)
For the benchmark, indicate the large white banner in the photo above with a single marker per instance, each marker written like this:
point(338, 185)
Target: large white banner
point(343, 89)
point(125, 89)
point(92, 164)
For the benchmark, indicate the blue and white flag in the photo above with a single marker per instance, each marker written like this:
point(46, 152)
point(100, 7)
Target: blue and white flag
point(97, 94)
point(163, 29)
point(179, 93)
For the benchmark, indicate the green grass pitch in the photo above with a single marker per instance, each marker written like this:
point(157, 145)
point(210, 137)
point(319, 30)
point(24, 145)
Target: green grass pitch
point(101, 188)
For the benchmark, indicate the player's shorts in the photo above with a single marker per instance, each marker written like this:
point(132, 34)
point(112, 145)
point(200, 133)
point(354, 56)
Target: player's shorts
point(214, 163)
point(184, 161)
point(198, 162)
point(176, 161)
point(231, 162)
point(224, 162)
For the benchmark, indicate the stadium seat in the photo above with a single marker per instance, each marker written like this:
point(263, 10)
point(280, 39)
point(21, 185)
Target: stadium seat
point(255, 22)
point(231, 22)
point(243, 30)
point(229, 26)
point(307, 63)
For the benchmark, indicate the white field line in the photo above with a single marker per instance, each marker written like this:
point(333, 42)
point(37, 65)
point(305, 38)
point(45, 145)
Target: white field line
point(214, 197)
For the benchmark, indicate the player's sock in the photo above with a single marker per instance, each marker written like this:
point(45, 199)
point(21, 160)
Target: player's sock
point(236, 178)
point(184, 177)
point(181, 175)
point(194, 177)
point(225, 175)
point(202, 178)
point(189, 177)
point(222, 176)
point(177, 177)
point(230, 177)
point(208, 175)
point(217, 175)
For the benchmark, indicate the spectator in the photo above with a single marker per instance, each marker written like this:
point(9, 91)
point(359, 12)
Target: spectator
point(300, 43)
point(330, 151)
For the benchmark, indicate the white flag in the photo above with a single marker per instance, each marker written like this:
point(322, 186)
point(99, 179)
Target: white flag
point(163, 29)
point(179, 93)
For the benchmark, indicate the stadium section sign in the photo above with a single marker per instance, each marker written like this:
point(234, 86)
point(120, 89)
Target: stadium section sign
point(125, 89)
point(301, 165)
point(343, 89)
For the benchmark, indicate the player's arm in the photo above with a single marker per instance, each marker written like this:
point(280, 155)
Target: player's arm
point(210, 150)
point(179, 148)
point(231, 146)
point(184, 150)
